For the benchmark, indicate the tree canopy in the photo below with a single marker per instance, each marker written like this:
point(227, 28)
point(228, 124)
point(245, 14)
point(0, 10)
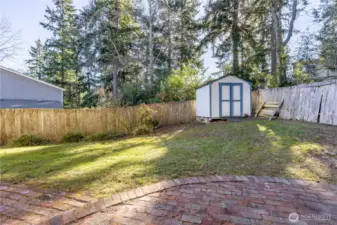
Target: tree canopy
point(126, 52)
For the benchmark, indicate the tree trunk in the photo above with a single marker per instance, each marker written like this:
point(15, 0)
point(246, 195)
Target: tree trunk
point(169, 39)
point(235, 38)
point(39, 59)
point(276, 41)
point(70, 102)
point(150, 70)
point(263, 60)
point(62, 68)
point(115, 60)
point(114, 77)
point(277, 45)
point(242, 55)
point(181, 35)
point(62, 47)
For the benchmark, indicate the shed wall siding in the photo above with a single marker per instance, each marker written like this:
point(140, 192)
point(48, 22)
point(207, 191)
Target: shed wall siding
point(18, 87)
point(246, 95)
point(203, 98)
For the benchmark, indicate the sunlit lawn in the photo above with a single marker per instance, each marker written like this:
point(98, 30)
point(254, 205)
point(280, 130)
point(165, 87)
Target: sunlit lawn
point(252, 147)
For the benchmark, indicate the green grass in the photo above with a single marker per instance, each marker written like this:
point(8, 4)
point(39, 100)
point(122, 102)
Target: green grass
point(251, 147)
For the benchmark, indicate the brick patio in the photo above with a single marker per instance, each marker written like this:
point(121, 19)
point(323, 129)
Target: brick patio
point(198, 200)
point(241, 200)
point(20, 204)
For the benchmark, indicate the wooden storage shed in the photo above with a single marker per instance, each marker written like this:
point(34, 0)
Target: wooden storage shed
point(226, 97)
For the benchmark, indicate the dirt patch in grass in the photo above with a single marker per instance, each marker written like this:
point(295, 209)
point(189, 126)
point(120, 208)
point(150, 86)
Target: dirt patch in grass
point(177, 127)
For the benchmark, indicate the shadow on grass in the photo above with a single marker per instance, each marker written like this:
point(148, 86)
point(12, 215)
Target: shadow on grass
point(255, 147)
point(49, 161)
point(251, 147)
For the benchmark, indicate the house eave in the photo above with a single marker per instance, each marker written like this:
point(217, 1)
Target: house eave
point(31, 78)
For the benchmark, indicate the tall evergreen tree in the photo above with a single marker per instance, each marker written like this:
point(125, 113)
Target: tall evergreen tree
point(277, 43)
point(108, 32)
point(62, 65)
point(186, 29)
point(36, 64)
point(224, 25)
point(326, 15)
point(255, 31)
point(169, 38)
point(132, 47)
point(306, 49)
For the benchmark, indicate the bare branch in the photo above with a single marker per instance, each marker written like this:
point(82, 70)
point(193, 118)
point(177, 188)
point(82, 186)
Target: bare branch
point(292, 21)
point(9, 40)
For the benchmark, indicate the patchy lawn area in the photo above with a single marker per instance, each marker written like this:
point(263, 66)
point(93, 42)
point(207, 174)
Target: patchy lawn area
point(251, 147)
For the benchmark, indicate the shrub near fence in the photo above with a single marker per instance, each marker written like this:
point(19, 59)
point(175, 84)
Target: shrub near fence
point(54, 123)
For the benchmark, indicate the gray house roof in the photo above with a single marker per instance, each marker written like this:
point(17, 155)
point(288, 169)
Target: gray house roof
point(22, 103)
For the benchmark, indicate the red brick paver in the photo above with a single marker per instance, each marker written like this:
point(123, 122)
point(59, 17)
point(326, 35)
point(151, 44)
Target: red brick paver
point(20, 204)
point(199, 200)
point(225, 200)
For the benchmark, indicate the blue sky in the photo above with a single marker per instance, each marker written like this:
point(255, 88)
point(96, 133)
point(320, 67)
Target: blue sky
point(25, 16)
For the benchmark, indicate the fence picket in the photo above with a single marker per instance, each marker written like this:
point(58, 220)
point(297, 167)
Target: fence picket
point(54, 123)
point(302, 102)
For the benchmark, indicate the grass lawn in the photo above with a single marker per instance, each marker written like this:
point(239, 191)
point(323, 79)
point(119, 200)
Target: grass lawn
point(251, 147)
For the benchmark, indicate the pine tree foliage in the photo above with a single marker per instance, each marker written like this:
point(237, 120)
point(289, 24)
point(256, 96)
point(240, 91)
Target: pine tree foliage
point(104, 42)
point(252, 35)
point(126, 52)
point(307, 48)
point(116, 47)
point(36, 62)
point(62, 69)
point(326, 15)
point(221, 24)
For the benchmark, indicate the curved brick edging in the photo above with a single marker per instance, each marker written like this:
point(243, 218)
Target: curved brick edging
point(102, 204)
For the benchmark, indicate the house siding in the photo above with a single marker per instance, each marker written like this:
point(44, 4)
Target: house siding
point(13, 86)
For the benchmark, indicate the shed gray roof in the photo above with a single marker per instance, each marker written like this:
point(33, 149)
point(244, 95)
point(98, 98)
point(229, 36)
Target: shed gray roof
point(22, 103)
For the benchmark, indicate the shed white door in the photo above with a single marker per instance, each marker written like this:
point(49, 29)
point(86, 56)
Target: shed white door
point(236, 100)
point(230, 99)
point(225, 101)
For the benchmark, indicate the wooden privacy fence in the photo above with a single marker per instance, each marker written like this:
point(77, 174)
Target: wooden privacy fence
point(315, 102)
point(54, 123)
